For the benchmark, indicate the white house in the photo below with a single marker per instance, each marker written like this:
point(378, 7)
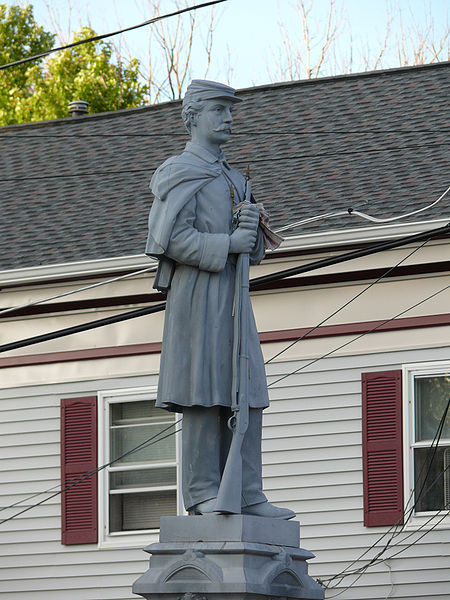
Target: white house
point(358, 352)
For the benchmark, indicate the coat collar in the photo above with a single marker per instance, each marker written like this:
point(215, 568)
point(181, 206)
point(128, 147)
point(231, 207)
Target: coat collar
point(206, 155)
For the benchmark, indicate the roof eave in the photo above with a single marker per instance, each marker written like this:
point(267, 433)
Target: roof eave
point(313, 241)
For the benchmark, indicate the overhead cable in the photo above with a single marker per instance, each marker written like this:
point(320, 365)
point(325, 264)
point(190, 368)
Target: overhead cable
point(407, 513)
point(384, 322)
point(289, 157)
point(97, 38)
point(352, 211)
point(76, 291)
point(148, 442)
point(256, 282)
point(270, 132)
point(363, 291)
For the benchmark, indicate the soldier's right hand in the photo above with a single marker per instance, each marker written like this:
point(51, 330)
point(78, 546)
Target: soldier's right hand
point(242, 241)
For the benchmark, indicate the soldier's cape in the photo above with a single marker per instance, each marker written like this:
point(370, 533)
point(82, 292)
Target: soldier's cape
point(174, 183)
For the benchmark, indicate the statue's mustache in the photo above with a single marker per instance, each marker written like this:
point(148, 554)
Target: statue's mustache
point(224, 128)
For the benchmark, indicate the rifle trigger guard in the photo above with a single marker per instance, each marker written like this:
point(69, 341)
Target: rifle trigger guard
point(231, 423)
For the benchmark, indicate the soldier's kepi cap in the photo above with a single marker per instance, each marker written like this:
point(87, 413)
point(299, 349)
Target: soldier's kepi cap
point(202, 89)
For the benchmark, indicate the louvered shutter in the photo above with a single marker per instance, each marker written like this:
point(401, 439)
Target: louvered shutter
point(382, 448)
point(79, 457)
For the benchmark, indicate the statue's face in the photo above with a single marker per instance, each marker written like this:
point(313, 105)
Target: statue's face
point(213, 124)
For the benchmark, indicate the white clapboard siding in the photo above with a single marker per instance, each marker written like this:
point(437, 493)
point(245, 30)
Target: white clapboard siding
point(312, 463)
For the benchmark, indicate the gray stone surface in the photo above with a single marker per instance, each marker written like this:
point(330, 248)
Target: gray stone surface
point(232, 568)
point(230, 528)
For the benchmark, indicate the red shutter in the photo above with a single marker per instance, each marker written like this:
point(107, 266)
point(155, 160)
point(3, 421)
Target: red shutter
point(382, 448)
point(78, 457)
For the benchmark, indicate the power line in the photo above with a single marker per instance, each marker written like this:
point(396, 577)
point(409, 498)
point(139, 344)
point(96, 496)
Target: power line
point(238, 162)
point(376, 559)
point(53, 335)
point(257, 282)
point(385, 274)
point(406, 512)
point(97, 38)
point(270, 132)
point(360, 336)
point(148, 442)
point(351, 211)
point(77, 290)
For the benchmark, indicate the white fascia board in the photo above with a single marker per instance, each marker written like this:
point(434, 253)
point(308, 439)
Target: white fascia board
point(75, 269)
point(340, 237)
point(312, 241)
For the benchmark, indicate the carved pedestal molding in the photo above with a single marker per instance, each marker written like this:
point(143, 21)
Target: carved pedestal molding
point(235, 557)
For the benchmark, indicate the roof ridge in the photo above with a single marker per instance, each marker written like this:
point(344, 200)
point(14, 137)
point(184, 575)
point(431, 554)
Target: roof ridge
point(276, 85)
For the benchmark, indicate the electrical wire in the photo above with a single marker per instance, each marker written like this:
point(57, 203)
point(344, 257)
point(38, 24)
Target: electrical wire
point(258, 281)
point(97, 38)
point(82, 289)
point(149, 442)
point(351, 211)
point(385, 274)
point(360, 335)
point(376, 559)
point(235, 133)
point(149, 269)
point(79, 174)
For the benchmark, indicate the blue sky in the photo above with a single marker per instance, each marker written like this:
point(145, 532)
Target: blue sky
point(248, 48)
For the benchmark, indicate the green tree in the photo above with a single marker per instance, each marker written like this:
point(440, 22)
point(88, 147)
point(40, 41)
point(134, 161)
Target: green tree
point(84, 72)
point(20, 36)
point(42, 90)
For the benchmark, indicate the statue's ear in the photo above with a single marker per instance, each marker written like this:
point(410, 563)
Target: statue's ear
point(193, 119)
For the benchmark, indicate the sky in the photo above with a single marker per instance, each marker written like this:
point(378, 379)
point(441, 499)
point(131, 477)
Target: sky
point(247, 39)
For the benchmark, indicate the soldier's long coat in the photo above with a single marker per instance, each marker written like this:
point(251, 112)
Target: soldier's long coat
point(190, 223)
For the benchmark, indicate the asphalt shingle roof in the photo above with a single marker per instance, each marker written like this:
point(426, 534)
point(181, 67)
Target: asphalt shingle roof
point(78, 190)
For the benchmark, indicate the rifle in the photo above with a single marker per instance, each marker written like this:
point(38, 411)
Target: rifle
point(230, 490)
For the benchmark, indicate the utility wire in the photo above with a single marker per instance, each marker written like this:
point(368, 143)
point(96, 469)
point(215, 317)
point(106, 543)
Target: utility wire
point(238, 162)
point(258, 281)
point(385, 274)
point(150, 269)
point(149, 442)
point(406, 513)
point(97, 38)
point(351, 211)
point(271, 132)
point(360, 336)
point(82, 289)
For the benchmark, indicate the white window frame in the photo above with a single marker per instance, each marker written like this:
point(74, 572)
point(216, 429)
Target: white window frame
point(125, 539)
point(410, 372)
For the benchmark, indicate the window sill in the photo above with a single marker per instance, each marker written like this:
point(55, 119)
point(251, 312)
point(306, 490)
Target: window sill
point(426, 521)
point(129, 540)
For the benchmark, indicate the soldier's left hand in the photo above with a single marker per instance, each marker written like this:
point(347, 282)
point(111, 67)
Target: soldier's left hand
point(249, 217)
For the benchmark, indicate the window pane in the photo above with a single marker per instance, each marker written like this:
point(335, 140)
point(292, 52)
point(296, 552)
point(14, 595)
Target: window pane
point(124, 439)
point(143, 478)
point(436, 484)
point(143, 411)
point(431, 397)
point(130, 512)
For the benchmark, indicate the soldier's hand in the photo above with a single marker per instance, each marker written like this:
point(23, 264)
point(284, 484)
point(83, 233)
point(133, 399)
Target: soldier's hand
point(249, 217)
point(242, 240)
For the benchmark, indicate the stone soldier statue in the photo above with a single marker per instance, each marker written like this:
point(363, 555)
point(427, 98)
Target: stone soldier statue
point(190, 232)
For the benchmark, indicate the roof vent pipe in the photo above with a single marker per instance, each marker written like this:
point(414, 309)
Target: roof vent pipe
point(78, 108)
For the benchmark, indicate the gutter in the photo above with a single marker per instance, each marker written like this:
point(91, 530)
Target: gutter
point(312, 242)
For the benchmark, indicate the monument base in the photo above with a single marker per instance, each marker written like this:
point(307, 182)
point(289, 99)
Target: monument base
point(237, 557)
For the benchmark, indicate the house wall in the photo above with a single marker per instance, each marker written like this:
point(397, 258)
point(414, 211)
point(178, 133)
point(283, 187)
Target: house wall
point(311, 445)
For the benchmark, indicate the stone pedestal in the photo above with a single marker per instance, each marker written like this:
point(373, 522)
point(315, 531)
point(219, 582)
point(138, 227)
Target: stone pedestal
point(233, 557)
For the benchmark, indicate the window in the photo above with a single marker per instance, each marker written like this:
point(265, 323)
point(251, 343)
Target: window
point(140, 485)
point(429, 468)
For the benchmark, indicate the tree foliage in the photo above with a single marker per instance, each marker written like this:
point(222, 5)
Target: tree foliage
point(20, 36)
point(44, 89)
